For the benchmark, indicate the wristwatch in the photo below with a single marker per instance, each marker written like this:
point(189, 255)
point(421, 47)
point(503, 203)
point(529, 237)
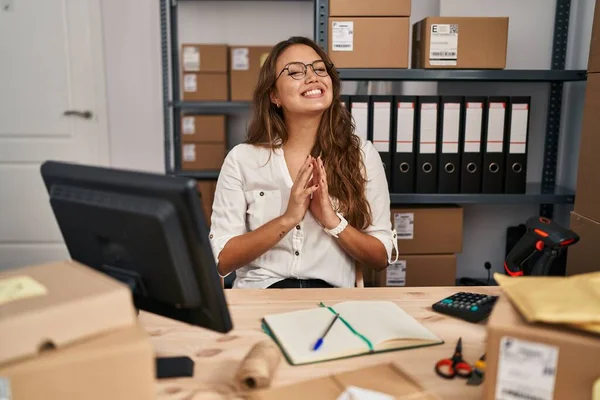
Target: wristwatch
point(338, 229)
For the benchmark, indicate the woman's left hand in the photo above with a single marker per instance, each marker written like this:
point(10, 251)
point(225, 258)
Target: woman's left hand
point(320, 205)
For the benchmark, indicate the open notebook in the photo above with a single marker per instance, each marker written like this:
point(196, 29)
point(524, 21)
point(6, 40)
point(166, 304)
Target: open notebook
point(363, 327)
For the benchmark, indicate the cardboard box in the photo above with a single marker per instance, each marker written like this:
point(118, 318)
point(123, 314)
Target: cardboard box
point(119, 365)
point(582, 257)
point(369, 42)
point(206, 189)
point(202, 156)
point(588, 173)
point(203, 129)
point(246, 62)
point(70, 332)
point(362, 8)
point(204, 57)
point(428, 229)
point(205, 86)
point(460, 42)
point(384, 378)
point(49, 306)
point(419, 270)
point(537, 360)
point(594, 57)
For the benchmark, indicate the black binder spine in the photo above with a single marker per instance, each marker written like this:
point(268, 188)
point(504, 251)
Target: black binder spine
point(360, 110)
point(451, 121)
point(403, 144)
point(381, 128)
point(427, 132)
point(517, 145)
point(495, 148)
point(471, 146)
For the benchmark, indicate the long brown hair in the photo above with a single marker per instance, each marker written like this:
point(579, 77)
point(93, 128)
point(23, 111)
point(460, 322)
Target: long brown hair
point(336, 142)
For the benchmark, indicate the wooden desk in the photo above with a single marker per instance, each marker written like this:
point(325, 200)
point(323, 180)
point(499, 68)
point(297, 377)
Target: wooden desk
point(217, 355)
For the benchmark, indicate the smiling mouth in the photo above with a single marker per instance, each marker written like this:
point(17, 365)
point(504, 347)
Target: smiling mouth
point(312, 93)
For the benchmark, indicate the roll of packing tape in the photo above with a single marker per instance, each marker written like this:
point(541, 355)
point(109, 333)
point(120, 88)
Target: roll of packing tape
point(257, 369)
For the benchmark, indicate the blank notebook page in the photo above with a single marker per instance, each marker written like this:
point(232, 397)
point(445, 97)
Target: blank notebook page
point(380, 321)
point(298, 331)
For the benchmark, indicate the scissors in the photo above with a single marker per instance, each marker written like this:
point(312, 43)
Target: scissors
point(450, 367)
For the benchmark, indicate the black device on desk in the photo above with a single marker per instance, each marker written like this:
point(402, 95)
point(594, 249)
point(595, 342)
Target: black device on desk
point(543, 238)
point(472, 307)
point(148, 231)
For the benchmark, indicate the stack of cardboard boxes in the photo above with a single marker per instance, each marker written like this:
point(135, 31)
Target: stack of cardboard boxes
point(428, 239)
point(218, 72)
point(70, 332)
point(376, 35)
point(585, 219)
point(214, 72)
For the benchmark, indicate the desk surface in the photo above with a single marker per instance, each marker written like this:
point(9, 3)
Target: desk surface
point(217, 356)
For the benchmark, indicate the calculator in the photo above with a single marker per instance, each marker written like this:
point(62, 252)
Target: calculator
point(472, 307)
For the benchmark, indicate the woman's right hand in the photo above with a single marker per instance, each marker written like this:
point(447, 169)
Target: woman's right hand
point(300, 193)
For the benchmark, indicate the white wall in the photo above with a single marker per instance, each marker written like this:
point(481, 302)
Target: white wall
point(134, 83)
point(132, 44)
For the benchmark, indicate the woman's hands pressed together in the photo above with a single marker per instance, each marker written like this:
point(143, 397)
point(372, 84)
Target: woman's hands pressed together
point(320, 205)
point(301, 192)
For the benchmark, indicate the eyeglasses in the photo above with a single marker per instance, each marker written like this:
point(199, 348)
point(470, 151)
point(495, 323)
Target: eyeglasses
point(297, 70)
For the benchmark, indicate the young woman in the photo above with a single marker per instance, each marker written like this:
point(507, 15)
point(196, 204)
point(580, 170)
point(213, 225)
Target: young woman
point(304, 198)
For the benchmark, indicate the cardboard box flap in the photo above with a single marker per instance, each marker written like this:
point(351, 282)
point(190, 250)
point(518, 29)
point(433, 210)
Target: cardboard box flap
point(387, 379)
point(52, 305)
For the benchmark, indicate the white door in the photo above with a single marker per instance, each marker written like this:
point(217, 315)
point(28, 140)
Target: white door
point(51, 62)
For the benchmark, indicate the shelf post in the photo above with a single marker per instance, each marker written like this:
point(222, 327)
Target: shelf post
point(559, 52)
point(175, 88)
point(321, 19)
point(164, 47)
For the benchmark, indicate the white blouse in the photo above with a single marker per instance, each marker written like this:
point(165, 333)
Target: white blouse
point(253, 189)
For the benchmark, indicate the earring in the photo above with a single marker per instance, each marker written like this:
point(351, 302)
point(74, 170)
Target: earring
point(278, 105)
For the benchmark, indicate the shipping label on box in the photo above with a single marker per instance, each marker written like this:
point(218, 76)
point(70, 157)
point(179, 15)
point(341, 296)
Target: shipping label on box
point(404, 224)
point(189, 125)
point(190, 83)
point(342, 35)
point(396, 274)
point(526, 370)
point(240, 60)
point(443, 49)
point(189, 152)
point(191, 58)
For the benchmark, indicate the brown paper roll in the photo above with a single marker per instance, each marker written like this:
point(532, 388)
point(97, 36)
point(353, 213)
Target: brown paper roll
point(258, 367)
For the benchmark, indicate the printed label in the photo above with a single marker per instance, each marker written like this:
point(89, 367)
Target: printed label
point(20, 287)
point(450, 127)
point(518, 129)
point(191, 59)
point(428, 137)
point(495, 137)
point(190, 84)
point(240, 59)
point(405, 123)
point(443, 44)
point(360, 112)
point(342, 36)
point(404, 223)
point(473, 127)
point(5, 393)
point(189, 125)
point(526, 370)
point(189, 152)
point(396, 274)
point(381, 126)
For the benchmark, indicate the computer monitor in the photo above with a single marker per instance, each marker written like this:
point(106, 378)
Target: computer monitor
point(146, 230)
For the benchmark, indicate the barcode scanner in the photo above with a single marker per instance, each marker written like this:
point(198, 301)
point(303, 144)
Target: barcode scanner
point(542, 235)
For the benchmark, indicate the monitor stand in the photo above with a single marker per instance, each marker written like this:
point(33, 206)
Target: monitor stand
point(166, 367)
